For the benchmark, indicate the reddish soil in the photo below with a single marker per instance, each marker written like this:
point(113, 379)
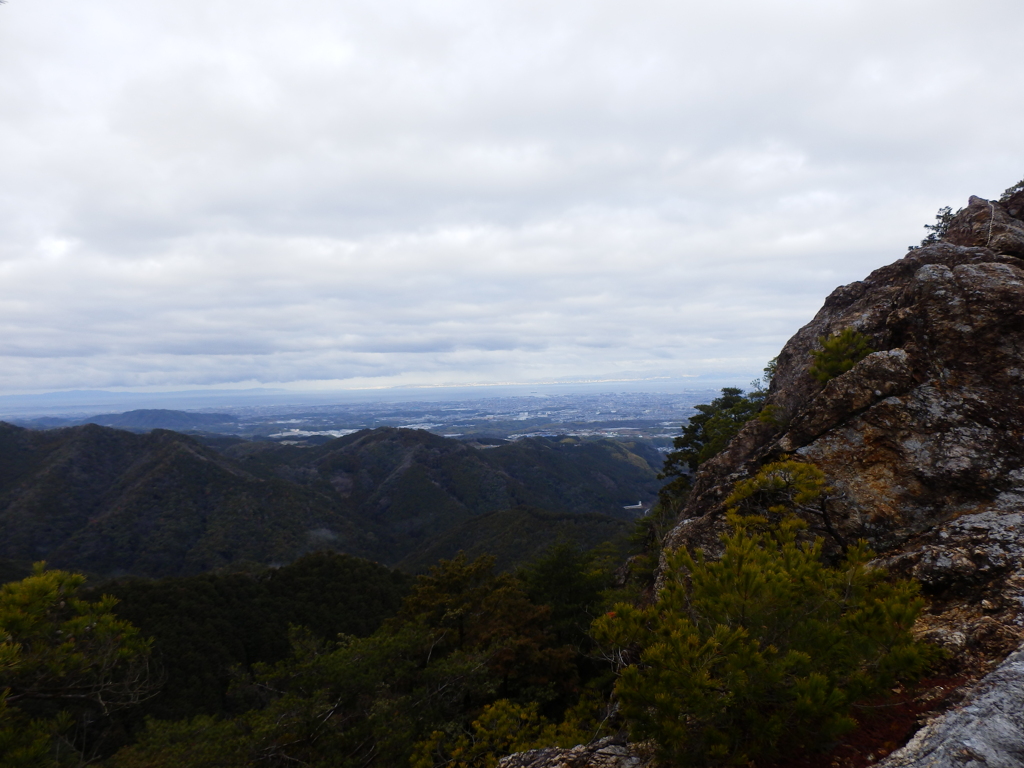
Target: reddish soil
point(883, 726)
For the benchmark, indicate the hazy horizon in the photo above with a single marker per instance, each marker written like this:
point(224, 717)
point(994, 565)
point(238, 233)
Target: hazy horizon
point(93, 402)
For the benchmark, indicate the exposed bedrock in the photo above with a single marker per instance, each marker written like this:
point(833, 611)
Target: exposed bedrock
point(928, 428)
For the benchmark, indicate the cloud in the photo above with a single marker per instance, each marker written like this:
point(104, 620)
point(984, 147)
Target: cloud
point(201, 193)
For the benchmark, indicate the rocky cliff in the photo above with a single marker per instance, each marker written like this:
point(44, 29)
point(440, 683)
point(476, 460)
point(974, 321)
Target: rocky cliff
point(923, 440)
point(922, 443)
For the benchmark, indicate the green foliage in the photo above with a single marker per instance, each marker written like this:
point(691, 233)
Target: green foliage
point(472, 608)
point(937, 231)
point(63, 659)
point(24, 742)
point(706, 434)
point(515, 536)
point(786, 487)
point(645, 542)
point(759, 387)
point(504, 728)
point(762, 650)
point(839, 353)
point(501, 729)
point(202, 742)
point(1011, 191)
point(572, 583)
point(464, 639)
point(779, 488)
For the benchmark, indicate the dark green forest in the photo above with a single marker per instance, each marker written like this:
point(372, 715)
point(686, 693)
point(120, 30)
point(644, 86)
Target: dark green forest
point(108, 502)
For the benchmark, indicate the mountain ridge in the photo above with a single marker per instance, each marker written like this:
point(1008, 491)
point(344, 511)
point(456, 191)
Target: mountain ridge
point(112, 502)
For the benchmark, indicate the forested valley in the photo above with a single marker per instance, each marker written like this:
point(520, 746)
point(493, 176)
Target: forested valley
point(334, 660)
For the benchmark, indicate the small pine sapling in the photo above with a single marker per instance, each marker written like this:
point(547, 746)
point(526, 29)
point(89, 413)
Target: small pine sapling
point(838, 354)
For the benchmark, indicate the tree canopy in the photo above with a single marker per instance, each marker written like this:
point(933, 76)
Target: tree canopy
point(469, 653)
point(706, 434)
point(66, 664)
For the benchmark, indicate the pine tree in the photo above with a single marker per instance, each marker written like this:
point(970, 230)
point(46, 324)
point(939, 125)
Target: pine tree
point(839, 353)
point(764, 643)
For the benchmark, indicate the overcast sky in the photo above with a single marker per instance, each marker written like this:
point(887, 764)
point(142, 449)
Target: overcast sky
point(357, 193)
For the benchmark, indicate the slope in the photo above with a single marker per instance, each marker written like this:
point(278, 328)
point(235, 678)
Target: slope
point(415, 486)
point(161, 504)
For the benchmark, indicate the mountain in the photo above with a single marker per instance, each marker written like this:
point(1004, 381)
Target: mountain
point(921, 444)
point(146, 419)
point(141, 420)
point(414, 486)
point(111, 502)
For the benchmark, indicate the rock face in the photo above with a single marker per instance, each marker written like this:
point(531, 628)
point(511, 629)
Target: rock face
point(928, 427)
point(610, 752)
point(923, 440)
point(995, 225)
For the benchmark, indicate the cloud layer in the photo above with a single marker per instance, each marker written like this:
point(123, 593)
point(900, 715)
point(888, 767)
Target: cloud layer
point(365, 193)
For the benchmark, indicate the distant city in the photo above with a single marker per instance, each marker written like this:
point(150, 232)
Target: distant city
point(656, 417)
point(652, 416)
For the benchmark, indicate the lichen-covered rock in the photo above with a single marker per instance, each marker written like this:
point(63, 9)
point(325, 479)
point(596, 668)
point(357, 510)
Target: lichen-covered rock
point(609, 752)
point(928, 428)
point(985, 731)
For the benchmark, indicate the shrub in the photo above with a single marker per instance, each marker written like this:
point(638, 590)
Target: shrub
point(765, 643)
point(839, 353)
point(504, 728)
point(784, 487)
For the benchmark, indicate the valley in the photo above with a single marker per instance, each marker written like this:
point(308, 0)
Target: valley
point(112, 502)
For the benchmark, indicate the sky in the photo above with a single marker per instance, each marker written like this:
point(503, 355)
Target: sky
point(327, 194)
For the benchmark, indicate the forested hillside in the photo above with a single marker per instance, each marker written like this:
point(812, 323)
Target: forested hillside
point(106, 501)
point(110, 502)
